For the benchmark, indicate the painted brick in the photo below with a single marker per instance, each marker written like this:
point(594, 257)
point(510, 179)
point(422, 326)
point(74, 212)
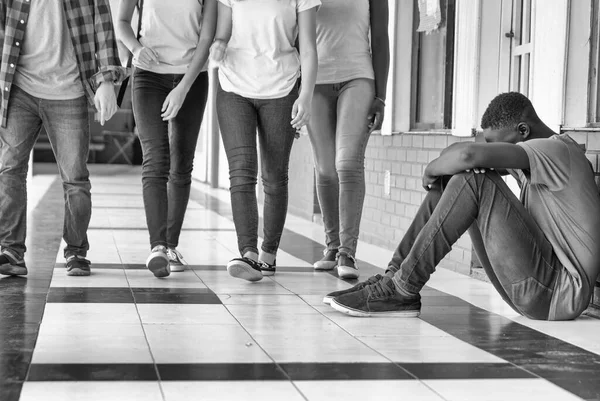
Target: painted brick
point(580, 137)
point(429, 141)
point(441, 141)
point(416, 170)
point(593, 142)
point(399, 181)
point(407, 141)
point(417, 141)
point(422, 156)
point(415, 198)
point(411, 155)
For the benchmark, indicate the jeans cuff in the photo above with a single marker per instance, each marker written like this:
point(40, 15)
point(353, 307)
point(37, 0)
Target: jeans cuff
point(404, 288)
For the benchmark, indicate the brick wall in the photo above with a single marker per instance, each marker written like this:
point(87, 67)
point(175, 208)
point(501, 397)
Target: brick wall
point(387, 217)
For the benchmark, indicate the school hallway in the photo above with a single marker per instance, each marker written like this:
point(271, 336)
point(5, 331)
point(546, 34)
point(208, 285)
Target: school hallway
point(122, 334)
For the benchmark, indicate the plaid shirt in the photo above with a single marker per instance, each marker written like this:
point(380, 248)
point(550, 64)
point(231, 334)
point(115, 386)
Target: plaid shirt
point(92, 33)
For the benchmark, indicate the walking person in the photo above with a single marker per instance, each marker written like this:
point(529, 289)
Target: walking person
point(540, 252)
point(55, 62)
point(348, 105)
point(258, 89)
point(170, 90)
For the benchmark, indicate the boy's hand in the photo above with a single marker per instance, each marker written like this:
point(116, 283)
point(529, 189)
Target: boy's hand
point(105, 101)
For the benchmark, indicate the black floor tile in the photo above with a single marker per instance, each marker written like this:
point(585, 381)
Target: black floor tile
point(90, 295)
point(175, 296)
point(18, 337)
point(15, 313)
point(92, 372)
point(345, 371)
point(461, 371)
point(221, 371)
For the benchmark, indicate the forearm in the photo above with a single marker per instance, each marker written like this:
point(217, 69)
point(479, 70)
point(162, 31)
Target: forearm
point(381, 64)
point(127, 36)
point(452, 161)
point(309, 64)
point(195, 67)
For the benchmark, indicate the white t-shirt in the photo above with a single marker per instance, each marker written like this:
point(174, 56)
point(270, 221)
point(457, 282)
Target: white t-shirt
point(343, 43)
point(261, 61)
point(47, 66)
point(172, 29)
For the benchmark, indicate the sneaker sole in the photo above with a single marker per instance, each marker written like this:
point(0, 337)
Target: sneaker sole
point(268, 272)
point(176, 268)
point(10, 270)
point(243, 271)
point(359, 313)
point(327, 300)
point(347, 273)
point(78, 272)
point(158, 265)
point(320, 266)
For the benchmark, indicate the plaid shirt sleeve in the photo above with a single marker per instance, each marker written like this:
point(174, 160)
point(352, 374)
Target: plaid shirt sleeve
point(107, 55)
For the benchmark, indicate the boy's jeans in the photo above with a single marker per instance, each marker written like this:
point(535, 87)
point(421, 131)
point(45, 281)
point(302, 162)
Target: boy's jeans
point(522, 264)
point(67, 125)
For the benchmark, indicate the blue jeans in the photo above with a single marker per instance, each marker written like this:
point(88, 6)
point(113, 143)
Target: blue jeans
point(168, 150)
point(339, 134)
point(67, 125)
point(515, 253)
point(239, 119)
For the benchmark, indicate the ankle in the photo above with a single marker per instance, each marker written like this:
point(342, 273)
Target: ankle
point(267, 257)
point(251, 255)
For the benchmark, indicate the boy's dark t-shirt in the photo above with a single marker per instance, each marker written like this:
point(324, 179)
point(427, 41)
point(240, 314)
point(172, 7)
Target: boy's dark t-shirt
point(560, 193)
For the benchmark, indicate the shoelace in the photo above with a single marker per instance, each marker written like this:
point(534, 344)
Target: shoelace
point(373, 279)
point(81, 258)
point(175, 255)
point(380, 290)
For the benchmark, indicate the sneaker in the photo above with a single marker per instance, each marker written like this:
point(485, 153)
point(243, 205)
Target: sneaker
point(11, 265)
point(245, 268)
point(328, 261)
point(176, 261)
point(371, 280)
point(346, 266)
point(158, 261)
point(378, 299)
point(78, 266)
point(268, 263)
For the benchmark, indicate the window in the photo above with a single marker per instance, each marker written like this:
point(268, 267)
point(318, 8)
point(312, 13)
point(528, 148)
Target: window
point(594, 87)
point(522, 46)
point(433, 63)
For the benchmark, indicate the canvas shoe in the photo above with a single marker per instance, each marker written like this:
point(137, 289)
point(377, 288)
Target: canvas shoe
point(158, 261)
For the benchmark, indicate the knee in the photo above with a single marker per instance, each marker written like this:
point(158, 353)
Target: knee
point(181, 175)
point(274, 183)
point(349, 166)
point(326, 174)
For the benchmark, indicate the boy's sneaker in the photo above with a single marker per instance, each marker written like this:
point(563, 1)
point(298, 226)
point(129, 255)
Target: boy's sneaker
point(78, 266)
point(176, 261)
point(346, 266)
point(378, 299)
point(268, 263)
point(245, 268)
point(371, 280)
point(328, 261)
point(11, 265)
point(158, 261)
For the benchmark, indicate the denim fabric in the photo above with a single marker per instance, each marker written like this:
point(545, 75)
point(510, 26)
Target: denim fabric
point(168, 150)
point(516, 255)
point(339, 135)
point(239, 119)
point(67, 125)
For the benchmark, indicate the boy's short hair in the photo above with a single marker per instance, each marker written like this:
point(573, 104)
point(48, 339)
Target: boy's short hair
point(505, 110)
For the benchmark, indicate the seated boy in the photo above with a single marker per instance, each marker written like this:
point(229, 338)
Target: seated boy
point(542, 254)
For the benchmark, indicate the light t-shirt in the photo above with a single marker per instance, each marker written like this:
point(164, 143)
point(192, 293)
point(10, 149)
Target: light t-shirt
point(47, 66)
point(343, 43)
point(560, 193)
point(261, 61)
point(172, 29)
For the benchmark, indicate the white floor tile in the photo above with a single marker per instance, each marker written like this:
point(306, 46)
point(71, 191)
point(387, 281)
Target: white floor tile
point(203, 343)
point(91, 391)
point(366, 390)
point(499, 390)
point(60, 313)
point(230, 390)
point(185, 314)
